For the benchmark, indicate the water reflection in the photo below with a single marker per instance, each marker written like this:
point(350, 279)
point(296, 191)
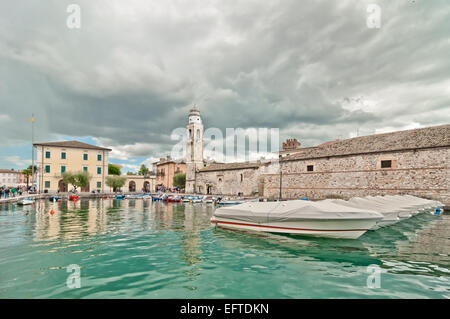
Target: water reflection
point(421, 239)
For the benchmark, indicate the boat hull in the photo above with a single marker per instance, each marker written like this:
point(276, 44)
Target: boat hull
point(329, 228)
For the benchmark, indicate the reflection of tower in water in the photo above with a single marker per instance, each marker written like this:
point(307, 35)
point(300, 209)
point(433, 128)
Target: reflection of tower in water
point(191, 235)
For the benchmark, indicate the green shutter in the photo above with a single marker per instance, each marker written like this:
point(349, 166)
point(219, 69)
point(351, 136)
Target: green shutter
point(85, 157)
point(99, 157)
point(99, 170)
point(63, 169)
point(63, 155)
point(85, 169)
point(99, 184)
point(47, 154)
point(47, 168)
point(47, 184)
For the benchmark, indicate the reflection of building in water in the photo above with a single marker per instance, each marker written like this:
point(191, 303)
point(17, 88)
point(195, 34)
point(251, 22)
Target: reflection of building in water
point(191, 236)
point(431, 244)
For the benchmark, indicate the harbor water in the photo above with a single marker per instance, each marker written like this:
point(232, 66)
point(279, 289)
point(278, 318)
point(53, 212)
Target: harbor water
point(144, 249)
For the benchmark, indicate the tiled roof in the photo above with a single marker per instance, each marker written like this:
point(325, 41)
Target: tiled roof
point(72, 144)
point(230, 166)
point(429, 137)
point(9, 171)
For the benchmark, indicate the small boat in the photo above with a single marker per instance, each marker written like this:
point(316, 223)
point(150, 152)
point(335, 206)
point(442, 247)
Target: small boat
point(54, 198)
point(318, 219)
point(146, 196)
point(26, 201)
point(187, 199)
point(208, 200)
point(120, 197)
point(73, 197)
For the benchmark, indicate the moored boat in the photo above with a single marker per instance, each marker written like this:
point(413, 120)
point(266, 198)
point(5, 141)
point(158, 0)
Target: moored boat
point(319, 219)
point(26, 201)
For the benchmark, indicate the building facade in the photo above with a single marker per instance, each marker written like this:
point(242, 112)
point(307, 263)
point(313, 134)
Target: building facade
point(11, 178)
point(414, 162)
point(166, 169)
point(55, 158)
point(139, 183)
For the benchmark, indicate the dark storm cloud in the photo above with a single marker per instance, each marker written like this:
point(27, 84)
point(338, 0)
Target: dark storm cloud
point(130, 74)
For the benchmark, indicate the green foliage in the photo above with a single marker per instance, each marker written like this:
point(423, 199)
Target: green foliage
point(113, 169)
point(179, 180)
point(115, 182)
point(78, 179)
point(143, 170)
point(131, 173)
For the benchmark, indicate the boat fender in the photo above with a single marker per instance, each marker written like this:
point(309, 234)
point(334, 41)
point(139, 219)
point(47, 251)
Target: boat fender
point(52, 212)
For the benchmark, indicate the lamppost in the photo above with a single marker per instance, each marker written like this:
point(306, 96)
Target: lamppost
point(281, 176)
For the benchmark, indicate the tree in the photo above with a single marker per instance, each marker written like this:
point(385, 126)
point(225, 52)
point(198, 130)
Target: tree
point(79, 179)
point(113, 169)
point(115, 182)
point(143, 170)
point(28, 171)
point(179, 180)
point(131, 173)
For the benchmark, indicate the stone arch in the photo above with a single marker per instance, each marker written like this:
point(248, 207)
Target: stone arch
point(147, 187)
point(132, 186)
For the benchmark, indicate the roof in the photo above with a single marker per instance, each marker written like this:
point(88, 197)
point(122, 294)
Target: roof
point(10, 171)
point(72, 144)
point(429, 137)
point(230, 166)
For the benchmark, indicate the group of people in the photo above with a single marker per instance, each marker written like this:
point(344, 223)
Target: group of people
point(10, 192)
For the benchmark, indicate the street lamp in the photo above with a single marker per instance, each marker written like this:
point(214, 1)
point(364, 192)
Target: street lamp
point(281, 176)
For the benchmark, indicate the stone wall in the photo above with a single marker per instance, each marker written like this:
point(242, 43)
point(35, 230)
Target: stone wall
point(423, 173)
point(230, 182)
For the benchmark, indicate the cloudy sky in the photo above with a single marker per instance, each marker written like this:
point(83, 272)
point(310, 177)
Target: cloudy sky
point(127, 78)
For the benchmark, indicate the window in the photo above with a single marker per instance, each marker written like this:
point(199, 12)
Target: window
point(99, 157)
point(85, 168)
point(85, 157)
point(63, 169)
point(47, 154)
point(99, 170)
point(47, 184)
point(99, 184)
point(386, 164)
point(242, 177)
point(47, 168)
point(310, 168)
point(63, 155)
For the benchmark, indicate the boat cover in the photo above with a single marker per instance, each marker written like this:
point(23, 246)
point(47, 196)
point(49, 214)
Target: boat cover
point(295, 210)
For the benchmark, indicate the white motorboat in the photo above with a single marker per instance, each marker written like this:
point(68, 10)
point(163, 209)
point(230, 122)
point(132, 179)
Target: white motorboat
point(392, 214)
point(26, 201)
point(319, 219)
point(411, 208)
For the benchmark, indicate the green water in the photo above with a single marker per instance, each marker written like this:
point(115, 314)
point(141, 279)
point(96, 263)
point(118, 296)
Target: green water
point(140, 249)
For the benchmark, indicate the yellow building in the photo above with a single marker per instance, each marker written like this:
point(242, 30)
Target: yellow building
point(55, 158)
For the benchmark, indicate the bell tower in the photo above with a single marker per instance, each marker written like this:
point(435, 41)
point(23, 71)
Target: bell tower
point(194, 148)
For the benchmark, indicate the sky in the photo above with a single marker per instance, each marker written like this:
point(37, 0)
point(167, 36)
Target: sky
point(315, 70)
